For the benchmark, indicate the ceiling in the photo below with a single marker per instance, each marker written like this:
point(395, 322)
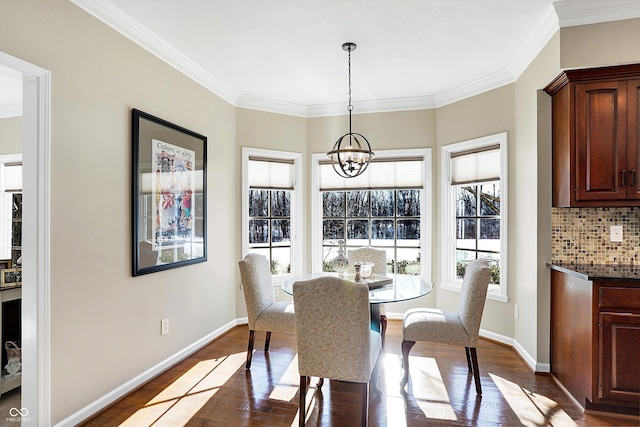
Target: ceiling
point(285, 56)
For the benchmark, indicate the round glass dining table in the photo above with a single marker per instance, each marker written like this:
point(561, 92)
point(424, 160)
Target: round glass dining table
point(403, 287)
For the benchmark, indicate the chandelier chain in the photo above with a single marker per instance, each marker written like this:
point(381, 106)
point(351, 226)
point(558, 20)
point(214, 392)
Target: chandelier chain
point(349, 107)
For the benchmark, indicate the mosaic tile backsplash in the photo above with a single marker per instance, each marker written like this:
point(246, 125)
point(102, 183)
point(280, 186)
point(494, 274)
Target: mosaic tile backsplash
point(582, 236)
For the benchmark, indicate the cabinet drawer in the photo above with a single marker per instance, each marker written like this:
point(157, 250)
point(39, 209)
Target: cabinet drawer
point(619, 298)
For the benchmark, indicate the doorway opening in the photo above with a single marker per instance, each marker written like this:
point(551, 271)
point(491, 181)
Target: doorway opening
point(35, 301)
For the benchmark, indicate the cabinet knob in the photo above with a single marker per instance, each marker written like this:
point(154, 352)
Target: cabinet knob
point(633, 178)
point(624, 177)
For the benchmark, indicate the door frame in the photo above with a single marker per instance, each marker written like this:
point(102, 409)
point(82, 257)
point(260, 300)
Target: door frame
point(36, 147)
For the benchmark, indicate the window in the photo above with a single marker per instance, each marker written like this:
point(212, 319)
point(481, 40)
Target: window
point(474, 210)
point(271, 207)
point(387, 208)
point(11, 207)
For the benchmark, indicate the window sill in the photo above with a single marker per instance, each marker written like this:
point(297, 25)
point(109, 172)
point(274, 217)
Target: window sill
point(491, 294)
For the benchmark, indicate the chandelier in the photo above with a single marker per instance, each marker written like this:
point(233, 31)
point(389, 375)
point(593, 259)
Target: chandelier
point(351, 153)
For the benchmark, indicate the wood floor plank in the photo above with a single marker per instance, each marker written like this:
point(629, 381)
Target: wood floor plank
point(211, 388)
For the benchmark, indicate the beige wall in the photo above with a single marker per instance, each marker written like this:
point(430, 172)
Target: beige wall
point(258, 129)
point(11, 135)
point(105, 324)
point(609, 43)
point(530, 245)
point(486, 114)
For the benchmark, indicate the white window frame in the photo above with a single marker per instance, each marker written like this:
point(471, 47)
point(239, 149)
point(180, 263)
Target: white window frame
point(448, 279)
point(426, 215)
point(5, 206)
point(296, 204)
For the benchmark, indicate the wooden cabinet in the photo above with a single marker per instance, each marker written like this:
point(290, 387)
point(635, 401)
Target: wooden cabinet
point(595, 340)
point(596, 155)
point(619, 342)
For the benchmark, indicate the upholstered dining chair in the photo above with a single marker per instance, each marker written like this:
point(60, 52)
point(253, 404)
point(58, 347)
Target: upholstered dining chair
point(368, 254)
point(264, 313)
point(444, 327)
point(334, 336)
point(379, 258)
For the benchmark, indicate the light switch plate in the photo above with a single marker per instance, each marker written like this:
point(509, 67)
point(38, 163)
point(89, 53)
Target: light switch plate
point(616, 233)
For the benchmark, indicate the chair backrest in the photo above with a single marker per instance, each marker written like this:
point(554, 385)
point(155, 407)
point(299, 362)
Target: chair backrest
point(333, 329)
point(257, 285)
point(367, 254)
point(472, 297)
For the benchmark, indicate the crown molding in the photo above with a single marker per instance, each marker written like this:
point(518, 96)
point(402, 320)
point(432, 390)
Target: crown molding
point(134, 30)
point(484, 84)
point(563, 13)
point(373, 106)
point(583, 12)
point(271, 106)
point(535, 41)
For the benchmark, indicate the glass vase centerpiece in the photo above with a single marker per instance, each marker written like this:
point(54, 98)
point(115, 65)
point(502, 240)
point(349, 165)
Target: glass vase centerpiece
point(340, 262)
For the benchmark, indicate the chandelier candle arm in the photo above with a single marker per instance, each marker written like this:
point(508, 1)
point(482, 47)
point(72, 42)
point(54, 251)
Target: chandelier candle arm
point(351, 154)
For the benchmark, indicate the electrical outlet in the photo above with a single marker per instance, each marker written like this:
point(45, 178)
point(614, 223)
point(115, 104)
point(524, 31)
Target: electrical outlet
point(276, 291)
point(517, 312)
point(164, 326)
point(616, 233)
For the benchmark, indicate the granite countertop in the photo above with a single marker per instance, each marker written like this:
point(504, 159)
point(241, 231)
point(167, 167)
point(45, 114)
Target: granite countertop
point(599, 272)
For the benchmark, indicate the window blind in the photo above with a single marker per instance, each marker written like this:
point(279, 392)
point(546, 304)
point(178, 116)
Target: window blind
point(403, 173)
point(12, 177)
point(270, 174)
point(475, 166)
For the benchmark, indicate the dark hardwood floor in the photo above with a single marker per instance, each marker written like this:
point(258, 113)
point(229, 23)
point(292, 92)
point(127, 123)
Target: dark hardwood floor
point(212, 388)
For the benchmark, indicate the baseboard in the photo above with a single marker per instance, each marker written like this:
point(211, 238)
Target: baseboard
point(522, 353)
point(149, 374)
point(106, 400)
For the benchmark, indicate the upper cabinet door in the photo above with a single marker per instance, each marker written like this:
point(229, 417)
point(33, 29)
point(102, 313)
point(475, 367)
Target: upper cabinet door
point(596, 140)
point(601, 141)
point(633, 139)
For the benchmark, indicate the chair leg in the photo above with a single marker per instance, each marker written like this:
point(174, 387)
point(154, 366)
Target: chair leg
point(476, 372)
point(267, 340)
point(364, 418)
point(374, 376)
point(252, 338)
point(406, 347)
point(302, 400)
point(468, 354)
point(383, 327)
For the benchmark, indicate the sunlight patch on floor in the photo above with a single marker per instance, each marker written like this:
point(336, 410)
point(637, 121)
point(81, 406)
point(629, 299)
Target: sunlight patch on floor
point(176, 404)
point(394, 402)
point(186, 382)
point(532, 409)
point(433, 400)
point(287, 387)
point(310, 402)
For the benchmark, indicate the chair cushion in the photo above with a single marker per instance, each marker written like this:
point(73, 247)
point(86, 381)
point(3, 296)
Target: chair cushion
point(433, 325)
point(277, 317)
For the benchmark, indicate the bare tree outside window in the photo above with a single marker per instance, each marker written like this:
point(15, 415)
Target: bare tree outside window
point(478, 226)
point(384, 219)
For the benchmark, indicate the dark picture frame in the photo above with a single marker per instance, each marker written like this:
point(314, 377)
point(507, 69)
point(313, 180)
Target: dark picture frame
point(169, 197)
point(5, 263)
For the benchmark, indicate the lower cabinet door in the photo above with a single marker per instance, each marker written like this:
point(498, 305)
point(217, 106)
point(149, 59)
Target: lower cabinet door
point(619, 366)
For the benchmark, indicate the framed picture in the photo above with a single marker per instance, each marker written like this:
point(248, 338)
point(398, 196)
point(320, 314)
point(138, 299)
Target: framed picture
point(10, 277)
point(169, 195)
point(5, 263)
